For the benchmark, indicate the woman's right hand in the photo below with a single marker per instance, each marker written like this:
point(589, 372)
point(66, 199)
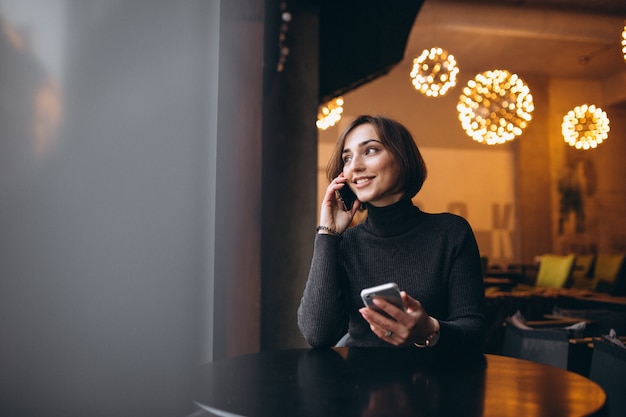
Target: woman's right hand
point(332, 213)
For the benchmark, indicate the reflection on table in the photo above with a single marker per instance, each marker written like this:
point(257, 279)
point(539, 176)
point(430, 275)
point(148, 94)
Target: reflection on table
point(390, 382)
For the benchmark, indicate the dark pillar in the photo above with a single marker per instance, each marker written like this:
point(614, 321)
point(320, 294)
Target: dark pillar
point(289, 171)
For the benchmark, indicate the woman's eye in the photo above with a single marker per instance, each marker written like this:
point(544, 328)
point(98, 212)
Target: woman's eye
point(347, 158)
point(370, 151)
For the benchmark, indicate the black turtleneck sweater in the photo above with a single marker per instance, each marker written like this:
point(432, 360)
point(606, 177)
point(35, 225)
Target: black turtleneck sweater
point(433, 257)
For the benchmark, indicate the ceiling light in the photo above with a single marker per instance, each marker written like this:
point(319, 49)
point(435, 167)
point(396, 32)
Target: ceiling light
point(495, 107)
point(585, 127)
point(434, 72)
point(330, 113)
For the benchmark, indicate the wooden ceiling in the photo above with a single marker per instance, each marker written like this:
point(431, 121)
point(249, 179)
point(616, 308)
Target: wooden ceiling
point(563, 38)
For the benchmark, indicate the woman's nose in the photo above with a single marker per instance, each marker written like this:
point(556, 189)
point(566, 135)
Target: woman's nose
point(356, 164)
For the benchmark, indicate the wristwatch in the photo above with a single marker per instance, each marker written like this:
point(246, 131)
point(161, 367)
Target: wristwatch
point(432, 339)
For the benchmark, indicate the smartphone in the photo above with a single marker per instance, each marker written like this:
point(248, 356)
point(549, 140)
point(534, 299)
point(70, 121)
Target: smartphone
point(389, 292)
point(347, 196)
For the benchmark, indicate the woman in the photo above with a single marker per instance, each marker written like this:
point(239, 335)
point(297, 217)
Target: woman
point(433, 258)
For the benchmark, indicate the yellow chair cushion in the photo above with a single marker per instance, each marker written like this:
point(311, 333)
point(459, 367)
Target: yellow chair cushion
point(582, 276)
point(554, 270)
point(607, 268)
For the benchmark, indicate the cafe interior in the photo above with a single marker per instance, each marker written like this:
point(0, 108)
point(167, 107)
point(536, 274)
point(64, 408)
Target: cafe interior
point(546, 211)
point(533, 197)
point(159, 209)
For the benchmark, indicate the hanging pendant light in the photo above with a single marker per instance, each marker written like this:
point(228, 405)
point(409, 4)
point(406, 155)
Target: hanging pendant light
point(585, 127)
point(434, 72)
point(495, 107)
point(330, 113)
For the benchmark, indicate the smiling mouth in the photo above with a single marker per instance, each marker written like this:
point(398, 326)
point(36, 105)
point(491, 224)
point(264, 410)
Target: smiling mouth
point(362, 180)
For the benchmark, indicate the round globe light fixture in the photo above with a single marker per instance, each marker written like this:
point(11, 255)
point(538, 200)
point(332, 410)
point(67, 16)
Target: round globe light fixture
point(330, 113)
point(585, 127)
point(434, 72)
point(495, 107)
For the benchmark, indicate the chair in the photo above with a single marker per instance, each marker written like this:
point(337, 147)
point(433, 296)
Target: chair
point(549, 346)
point(608, 275)
point(582, 275)
point(608, 369)
point(555, 270)
point(599, 320)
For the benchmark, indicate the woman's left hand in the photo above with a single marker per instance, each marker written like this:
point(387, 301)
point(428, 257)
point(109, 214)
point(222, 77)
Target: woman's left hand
point(413, 325)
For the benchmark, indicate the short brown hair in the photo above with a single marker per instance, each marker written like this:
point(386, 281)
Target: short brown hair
point(398, 140)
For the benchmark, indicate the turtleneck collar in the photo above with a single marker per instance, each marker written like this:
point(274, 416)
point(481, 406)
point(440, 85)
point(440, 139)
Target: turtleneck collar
point(393, 219)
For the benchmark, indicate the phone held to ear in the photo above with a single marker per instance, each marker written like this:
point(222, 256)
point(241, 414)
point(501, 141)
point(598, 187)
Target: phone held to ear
point(347, 197)
point(389, 292)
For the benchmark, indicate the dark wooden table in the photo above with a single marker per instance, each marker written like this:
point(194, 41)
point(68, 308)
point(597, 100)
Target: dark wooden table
point(517, 272)
point(593, 300)
point(388, 382)
point(499, 284)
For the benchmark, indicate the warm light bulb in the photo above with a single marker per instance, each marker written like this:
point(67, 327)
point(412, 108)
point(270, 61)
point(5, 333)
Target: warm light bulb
point(585, 127)
point(330, 113)
point(495, 107)
point(434, 72)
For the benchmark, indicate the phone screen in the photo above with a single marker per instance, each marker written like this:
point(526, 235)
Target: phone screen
point(347, 197)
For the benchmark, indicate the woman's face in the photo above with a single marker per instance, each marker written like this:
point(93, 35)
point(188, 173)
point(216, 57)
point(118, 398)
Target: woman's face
point(370, 168)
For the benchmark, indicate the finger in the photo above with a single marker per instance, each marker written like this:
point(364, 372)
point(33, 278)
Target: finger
point(382, 326)
point(388, 308)
point(381, 332)
point(355, 207)
point(331, 198)
point(410, 303)
point(407, 318)
point(337, 183)
point(380, 322)
point(333, 187)
point(340, 179)
point(387, 335)
point(376, 319)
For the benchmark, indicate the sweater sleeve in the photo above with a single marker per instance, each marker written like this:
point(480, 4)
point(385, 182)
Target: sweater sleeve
point(465, 327)
point(322, 318)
